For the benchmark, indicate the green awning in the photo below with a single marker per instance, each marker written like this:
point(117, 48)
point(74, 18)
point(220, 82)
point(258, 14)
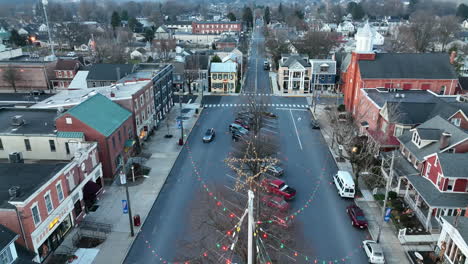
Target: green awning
point(129, 143)
point(62, 134)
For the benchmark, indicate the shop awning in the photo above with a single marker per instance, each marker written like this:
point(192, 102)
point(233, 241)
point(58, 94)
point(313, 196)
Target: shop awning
point(90, 190)
point(129, 143)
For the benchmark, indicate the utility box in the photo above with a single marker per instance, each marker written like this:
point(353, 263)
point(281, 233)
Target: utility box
point(136, 220)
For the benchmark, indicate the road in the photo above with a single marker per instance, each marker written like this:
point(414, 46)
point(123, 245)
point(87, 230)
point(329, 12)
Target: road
point(322, 230)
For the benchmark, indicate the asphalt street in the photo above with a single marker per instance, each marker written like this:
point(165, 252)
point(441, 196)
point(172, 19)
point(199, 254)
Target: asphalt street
point(174, 231)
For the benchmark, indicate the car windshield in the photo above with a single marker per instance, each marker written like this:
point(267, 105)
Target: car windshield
point(360, 218)
point(378, 254)
point(284, 187)
point(208, 132)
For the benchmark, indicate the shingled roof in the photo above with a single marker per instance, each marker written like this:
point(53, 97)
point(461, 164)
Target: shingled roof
point(454, 164)
point(108, 72)
point(408, 66)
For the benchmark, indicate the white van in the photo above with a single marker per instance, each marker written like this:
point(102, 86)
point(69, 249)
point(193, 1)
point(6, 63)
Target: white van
point(344, 183)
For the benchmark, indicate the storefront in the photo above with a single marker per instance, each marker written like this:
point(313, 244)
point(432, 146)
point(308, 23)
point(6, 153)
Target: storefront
point(56, 238)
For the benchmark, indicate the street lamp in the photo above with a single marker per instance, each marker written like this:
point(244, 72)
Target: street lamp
point(45, 3)
point(123, 181)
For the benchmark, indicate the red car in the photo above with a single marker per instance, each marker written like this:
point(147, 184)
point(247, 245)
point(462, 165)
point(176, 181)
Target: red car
point(242, 123)
point(275, 202)
point(357, 216)
point(279, 187)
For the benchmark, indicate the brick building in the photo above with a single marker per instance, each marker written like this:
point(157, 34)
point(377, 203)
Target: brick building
point(28, 75)
point(64, 72)
point(107, 123)
point(212, 27)
point(41, 202)
point(420, 71)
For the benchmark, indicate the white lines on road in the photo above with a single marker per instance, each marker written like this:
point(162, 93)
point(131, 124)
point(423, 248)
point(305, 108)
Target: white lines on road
point(299, 106)
point(295, 127)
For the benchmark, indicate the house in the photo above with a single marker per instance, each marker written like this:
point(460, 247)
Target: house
point(196, 68)
point(180, 26)
point(10, 251)
point(345, 28)
point(4, 35)
point(106, 74)
point(196, 39)
point(29, 75)
point(65, 71)
point(138, 54)
point(452, 244)
point(294, 73)
point(366, 69)
point(107, 123)
point(162, 32)
point(212, 27)
point(328, 27)
point(323, 74)
point(223, 77)
point(431, 170)
point(465, 24)
point(226, 42)
point(43, 201)
point(179, 76)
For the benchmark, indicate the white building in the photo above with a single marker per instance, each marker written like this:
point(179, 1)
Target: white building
point(452, 243)
point(223, 77)
point(345, 28)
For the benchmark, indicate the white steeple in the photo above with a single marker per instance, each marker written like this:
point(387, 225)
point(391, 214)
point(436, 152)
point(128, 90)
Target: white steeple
point(364, 39)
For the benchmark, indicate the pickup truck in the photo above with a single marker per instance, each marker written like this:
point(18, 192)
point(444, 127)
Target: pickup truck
point(279, 187)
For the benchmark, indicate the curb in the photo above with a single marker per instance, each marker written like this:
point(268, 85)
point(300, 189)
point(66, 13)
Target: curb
point(157, 197)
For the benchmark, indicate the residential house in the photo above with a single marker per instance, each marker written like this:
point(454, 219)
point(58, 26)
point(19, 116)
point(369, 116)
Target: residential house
point(294, 73)
point(106, 74)
point(323, 74)
point(465, 24)
point(196, 68)
point(65, 71)
point(226, 42)
point(345, 28)
point(42, 201)
point(30, 75)
point(180, 26)
point(212, 27)
point(179, 76)
point(4, 35)
point(107, 123)
point(11, 251)
point(366, 69)
point(452, 244)
point(223, 77)
point(162, 32)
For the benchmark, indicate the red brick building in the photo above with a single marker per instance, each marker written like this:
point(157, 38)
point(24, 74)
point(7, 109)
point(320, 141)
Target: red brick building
point(107, 123)
point(399, 71)
point(29, 75)
point(41, 202)
point(64, 73)
point(211, 27)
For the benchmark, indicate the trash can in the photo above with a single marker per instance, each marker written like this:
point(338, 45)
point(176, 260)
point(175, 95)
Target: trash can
point(181, 141)
point(136, 220)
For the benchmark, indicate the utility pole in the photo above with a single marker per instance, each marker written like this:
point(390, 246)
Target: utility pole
point(123, 180)
point(250, 255)
point(387, 187)
point(181, 120)
point(44, 6)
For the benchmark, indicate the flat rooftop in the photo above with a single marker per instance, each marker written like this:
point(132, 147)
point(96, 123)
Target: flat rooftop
point(380, 96)
point(34, 121)
point(70, 98)
point(28, 177)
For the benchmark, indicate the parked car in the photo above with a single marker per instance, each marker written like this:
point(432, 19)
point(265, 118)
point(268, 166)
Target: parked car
point(209, 135)
point(266, 65)
point(275, 170)
point(279, 187)
point(314, 124)
point(270, 114)
point(244, 123)
point(236, 136)
point(71, 54)
point(373, 251)
point(238, 129)
point(357, 216)
point(275, 202)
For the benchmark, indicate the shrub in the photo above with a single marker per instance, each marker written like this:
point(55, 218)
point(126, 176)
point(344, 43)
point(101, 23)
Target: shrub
point(379, 197)
point(341, 108)
point(392, 195)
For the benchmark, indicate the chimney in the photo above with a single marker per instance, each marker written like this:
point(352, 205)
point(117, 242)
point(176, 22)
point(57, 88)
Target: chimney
point(453, 56)
point(112, 94)
point(444, 140)
point(118, 73)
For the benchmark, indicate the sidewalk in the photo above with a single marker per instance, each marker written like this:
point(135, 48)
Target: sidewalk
point(394, 252)
point(164, 153)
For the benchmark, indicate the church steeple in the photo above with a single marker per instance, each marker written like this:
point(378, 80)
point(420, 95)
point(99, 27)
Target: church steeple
point(364, 39)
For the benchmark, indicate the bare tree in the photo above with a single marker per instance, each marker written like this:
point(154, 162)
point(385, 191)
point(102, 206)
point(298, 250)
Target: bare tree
point(73, 34)
point(447, 26)
point(164, 47)
point(335, 14)
point(317, 43)
point(192, 70)
point(110, 50)
point(11, 76)
point(422, 30)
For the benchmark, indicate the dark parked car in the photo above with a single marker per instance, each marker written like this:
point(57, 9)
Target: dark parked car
point(270, 115)
point(357, 216)
point(275, 170)
point(314, 124)
point(209, 135)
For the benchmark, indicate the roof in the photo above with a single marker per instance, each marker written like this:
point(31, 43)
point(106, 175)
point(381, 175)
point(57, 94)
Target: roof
point(408, 66)
point(197, 62)
point(463, 81)
point(100, 113)
point(62, 134)
point(429, 133)
point(217, 22)
point(435, 198)
point(454, 164)
point(36, 121)
point(228, 39)
point(67, 65)
point(6, 237)
point(461, 226)
point(223, 67)
point(29, 177)
point(295, 58)
point(79, 81)
point(317, 65)
point(108, 72)
point(437, 122)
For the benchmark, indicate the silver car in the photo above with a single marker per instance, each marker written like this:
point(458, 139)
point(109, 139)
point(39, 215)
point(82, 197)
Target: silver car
point(209, 135)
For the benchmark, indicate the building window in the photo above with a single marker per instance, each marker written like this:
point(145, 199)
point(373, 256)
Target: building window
point(398, 131)
point(59, 191)
point(142, 100)
point(214, 77)
point(456, 121)
point(120, 137)
point(450, 184)
point(147, 95)
point(6, 257)
point(1, 144)
point(384, 126)
point(48, 203)
point(27, 144)
point(67, 148)
point(439, 178)
point(77, 208)
point(68, 121)
point(136, 104)
point(442, 90)
point(137, 120)
point(52, 145)
point(428, 169)
point(59, 73)
point(35, 214)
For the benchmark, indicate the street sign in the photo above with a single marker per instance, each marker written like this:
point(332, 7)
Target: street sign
point(125, 206)
point(179, 124)
point(123, 178)
point(387, 214)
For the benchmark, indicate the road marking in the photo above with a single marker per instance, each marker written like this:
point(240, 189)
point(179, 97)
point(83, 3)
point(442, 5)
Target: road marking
point(271, 131)
point(292, 109)
point(295, 127)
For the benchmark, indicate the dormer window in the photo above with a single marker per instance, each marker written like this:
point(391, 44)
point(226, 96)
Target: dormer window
point(416, 139)
point(324, 67)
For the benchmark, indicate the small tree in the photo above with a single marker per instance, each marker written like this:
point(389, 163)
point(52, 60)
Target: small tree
point(115, 20)
point(11, 76)
point(462, 11)
point(447, 26)
point(124, 15)
point(216, 58)
point(247, 16)
point(149, 35)
point(267, 15)
point(231, 16)
point(133, 23)
point(17, 39)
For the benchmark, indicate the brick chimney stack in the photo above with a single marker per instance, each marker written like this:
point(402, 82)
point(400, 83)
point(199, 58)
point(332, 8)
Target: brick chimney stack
point(453, 56)
point(444, 140)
